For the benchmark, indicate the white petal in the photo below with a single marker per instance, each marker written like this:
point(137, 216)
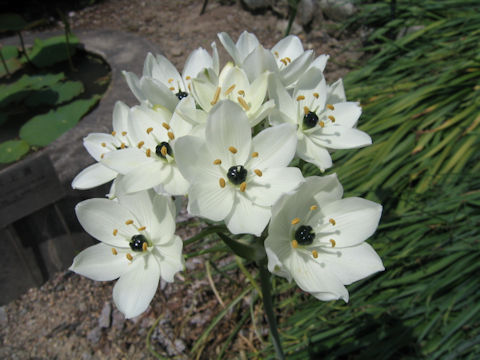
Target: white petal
point(320, 62)
point(340, 137)
point(133, 83)
point(275, 146)
point(297, 67)
point(275, 266)
point(246, 43)
point(145, 176)
point(94, 143)
point(230, 46)
point(215, 58)
point(228, 126)
point(258, 90)
point(265, 190)
point(169, 257)
point(158, 93)
point(141, 119)
point(100, 217)
point(310, 83)
point(262, 112)
point(259, 61)
point(315, 154)
point(247, 217)
point(203, 91)
point(336, 93)
point(125, 160)
point(198, 60)
point(163, 70)
point(210, 200)
point(290, 46)
point(92, 176)
point(135, 289)
point(346, 113)
point(353, 263)
point(176, 184)
point(120, 117)
point(284, 102)
point(356, 220)
point(99, 263)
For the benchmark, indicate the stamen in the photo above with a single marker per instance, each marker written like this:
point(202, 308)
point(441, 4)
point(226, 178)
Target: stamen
point(294, 244)
point(115, 232)
point(232, 149)
point(114, 133)
point(332, 118)
point(333, 242)
point(221, 181)
point(243, 186)
point(331, 221)
point(243, 103)
point(313, 207)
point(314, 254)
point(276, 53)
point(306, 110)
point(300, 97)
point(124, 133)
point(284, 61)
point(129, 222)
point(103, 144)
point(129, 257)
point(114, 251)
point(217, 162)
point(172, 88)
point(142, 228)
point(258, 172)
point(330, 107)
point(140, 144)
point(164, 150)
point(255, 154)
point(188, 78)
point(144, 246)
point(122, 145)
point(149, 130)
point(189, 87)
point(230, 89)
point(288, 59)
point(216, 96)
point(102, 156)
point(148, 152)
point(321, 123)
point(241, 92)
point(316, 96)
point(166, 126)
point(295, 221)
point(170, 135)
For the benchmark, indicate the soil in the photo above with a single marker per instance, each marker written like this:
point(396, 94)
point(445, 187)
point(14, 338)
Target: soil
point(71, 317)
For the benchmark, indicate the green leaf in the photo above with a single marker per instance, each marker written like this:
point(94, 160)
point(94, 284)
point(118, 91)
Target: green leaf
point(52, 50)
point(12, 150)
point(55, 94)
point(11, 22)
point(250, 251)
point(41, 130)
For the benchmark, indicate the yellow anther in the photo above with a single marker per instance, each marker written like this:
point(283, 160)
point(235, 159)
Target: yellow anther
point(129, 257)
point(241, 92)
point(114, 251)
point(316, 96)
point(306, 110)
point(255, 154)
point(142, 228)
point(170, 80)
point(333, 242)
point(166, 126)
point(232, 149)
point(321, 123)
point(148, 152)
point(216, 96)
point(258, 172)
point(114, 133)
point(124, 133)
point(188, 77)
point(170, 135)
point(115, 232)
point(103, 144)
point(300, 97)
point(332, 118)
point(129, 222)
point(313, 207)
point(276, 53)
point(331, 221)
point(221, 181)
point(314, 254)
point(288, 59)
point(189, 87)
point(217, 162)
point(172, 88)
point(330, 107)
point(284, 61)
point(122, 145)
point(164, 150)
point(230, 89)
point(102, 156)
point(294, 244)
point(144, 246)
point(243, 186)
point(243, 103)
point(140, 144)
point(295, 221)
point(149, 130)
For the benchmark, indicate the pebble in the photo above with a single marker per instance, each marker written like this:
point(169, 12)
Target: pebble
point(94, 335)
point(118, 320)
point(3, 317)
point(105, 316)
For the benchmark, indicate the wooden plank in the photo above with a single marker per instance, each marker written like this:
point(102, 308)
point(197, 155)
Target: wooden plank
point(26, 187)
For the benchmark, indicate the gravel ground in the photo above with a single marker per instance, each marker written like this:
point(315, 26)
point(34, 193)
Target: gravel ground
point(71, 317)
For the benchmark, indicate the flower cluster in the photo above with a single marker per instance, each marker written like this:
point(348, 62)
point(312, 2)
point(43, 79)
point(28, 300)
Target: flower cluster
point(226, 138)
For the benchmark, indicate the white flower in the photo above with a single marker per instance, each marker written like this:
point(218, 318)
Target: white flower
point(98, 144)
point(287, 59)
point(138, 246)
point(162, 85)
point(324, 120)
point(150, 161)
point(233, 84)
point(234, 177)
point(317, 239)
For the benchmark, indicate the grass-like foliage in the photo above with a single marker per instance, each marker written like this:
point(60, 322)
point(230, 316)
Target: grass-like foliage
point(420, 91)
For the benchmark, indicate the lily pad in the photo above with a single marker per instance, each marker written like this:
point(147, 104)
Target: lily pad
point(41, 130)
point(55, 94)
point(11, 22)
point(12, 150)
point(52, 50)
point(10, 55)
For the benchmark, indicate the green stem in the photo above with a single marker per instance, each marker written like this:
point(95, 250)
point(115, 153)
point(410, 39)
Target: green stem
point(4, 62)
point(268, 306)
point(292, 12)
point(25, 50)
point(205, 232)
